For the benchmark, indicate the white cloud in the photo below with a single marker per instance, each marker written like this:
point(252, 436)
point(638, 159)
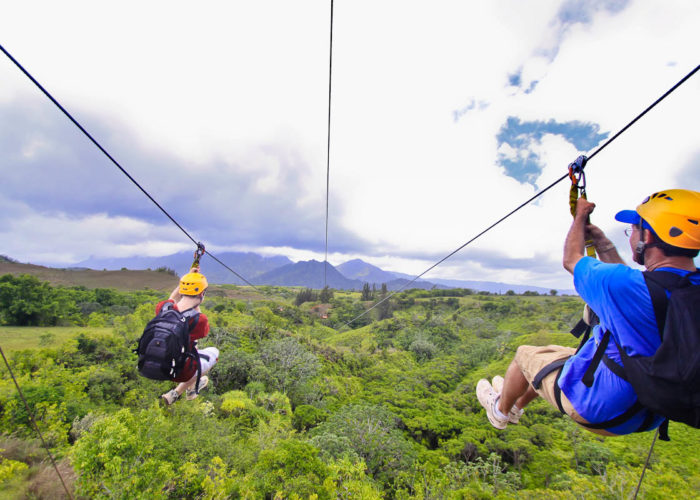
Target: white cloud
point(59, 239)
point(238, 90)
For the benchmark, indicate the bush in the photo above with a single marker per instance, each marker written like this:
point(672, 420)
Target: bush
point(307, 416)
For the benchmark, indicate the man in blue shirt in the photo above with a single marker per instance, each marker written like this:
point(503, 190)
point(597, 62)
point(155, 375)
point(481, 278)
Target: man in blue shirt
point(664, 235)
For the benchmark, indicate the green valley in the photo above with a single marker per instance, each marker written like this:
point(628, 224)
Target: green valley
point(300, 406)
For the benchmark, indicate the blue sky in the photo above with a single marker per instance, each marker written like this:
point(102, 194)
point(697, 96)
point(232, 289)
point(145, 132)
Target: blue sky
point(515, 140)
point(446, 115)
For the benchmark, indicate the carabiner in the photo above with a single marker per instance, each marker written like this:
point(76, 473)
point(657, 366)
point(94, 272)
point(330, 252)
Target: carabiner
point(576, 173)
point(198, 254)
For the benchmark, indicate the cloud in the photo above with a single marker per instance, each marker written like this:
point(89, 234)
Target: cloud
point(444, 119)
point(582, 11)
point(52, 170)
point(516, 138)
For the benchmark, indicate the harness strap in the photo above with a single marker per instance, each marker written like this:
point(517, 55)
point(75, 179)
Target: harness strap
point(588, 377)
point(554, 365)
point(551, 367)
point(614, 422)
point(614, 367)
point(620, 419)
point(581, 328)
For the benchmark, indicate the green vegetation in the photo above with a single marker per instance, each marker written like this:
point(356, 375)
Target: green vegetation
point(27, 301)
point(300, 408)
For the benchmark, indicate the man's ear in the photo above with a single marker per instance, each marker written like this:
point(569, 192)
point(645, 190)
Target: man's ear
point(648, 236)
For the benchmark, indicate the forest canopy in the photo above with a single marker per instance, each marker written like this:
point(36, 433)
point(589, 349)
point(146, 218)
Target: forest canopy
point(298, 407)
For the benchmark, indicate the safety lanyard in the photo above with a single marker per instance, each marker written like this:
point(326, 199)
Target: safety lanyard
point(578, 189)
point(198, 255)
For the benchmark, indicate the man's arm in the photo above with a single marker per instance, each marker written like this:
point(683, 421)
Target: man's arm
point(605, 248)
point(175, 295)
point(575, 243)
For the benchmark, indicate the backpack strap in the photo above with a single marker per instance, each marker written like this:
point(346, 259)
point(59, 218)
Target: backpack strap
point(167, 306)
point(657, 284)
point(192, 314)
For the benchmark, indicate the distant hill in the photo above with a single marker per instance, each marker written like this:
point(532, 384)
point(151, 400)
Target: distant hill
point(121, 280)
point(247, 264)
point(358, 269)
point(281, 271)
point(308, 274)
point(497, 287)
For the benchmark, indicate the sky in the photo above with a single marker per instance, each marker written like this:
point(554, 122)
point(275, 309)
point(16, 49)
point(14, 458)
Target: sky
point(445, 116)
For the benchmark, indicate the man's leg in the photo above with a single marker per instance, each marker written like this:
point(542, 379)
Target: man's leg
point(516, 390)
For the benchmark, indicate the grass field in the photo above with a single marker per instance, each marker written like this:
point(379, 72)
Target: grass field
point(14, 338)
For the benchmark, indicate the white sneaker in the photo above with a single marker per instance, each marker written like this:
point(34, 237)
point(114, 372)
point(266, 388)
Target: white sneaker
point(515, 413)
point(488, 398)
point(170, 397)
point(191, 394)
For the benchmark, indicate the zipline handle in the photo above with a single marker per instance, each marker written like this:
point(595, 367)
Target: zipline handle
point(198, 254)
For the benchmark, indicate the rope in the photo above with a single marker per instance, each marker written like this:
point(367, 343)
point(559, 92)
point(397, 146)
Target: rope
point(36, 427)
point(537, 195)
point(104, 151)
point(646, 464)
point(328, 145)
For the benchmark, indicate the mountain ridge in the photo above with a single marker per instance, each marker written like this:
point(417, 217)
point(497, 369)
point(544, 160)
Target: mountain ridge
point(281, 271)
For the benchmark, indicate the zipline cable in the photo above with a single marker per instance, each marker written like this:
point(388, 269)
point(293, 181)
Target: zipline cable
point(646, 464)
point(565, 176)
point(328, 145)
point(104, 151)
point(36, 427)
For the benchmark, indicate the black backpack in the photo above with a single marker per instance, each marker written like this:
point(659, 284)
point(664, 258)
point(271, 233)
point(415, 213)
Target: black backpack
point(164, 346)
point(668, 381)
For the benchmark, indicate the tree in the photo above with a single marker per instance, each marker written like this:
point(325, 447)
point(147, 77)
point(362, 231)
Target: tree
point(305, 295)
point(326, 295)
point(291, 466)
point(552, 292)
point(26, 301)
point(372, 433)
point(287, 364)
point(366, 293)
point(384, 307)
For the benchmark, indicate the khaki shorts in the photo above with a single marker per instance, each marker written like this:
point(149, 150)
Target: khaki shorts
point(531, 359)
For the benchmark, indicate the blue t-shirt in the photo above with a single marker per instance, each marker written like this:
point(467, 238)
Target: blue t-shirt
point(620, 297)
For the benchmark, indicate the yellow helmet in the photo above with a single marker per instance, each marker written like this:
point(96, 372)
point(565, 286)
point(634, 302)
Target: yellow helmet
point(193, 284)
point(674, 215)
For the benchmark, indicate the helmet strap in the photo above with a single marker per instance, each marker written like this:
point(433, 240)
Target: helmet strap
point(642, 247)
point(639, 252)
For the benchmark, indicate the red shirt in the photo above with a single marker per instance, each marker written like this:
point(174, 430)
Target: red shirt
point(199, 328)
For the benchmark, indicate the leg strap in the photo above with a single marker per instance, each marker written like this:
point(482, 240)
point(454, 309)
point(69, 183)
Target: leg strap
point(551, 367)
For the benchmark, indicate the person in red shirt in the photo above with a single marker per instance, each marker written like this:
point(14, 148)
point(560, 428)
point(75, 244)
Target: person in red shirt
point(189, 294)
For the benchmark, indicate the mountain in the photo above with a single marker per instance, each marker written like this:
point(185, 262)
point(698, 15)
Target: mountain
point(247, 264)
point(309, 274)
point(497, 287)
point(279, 270)
point(358, 269)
